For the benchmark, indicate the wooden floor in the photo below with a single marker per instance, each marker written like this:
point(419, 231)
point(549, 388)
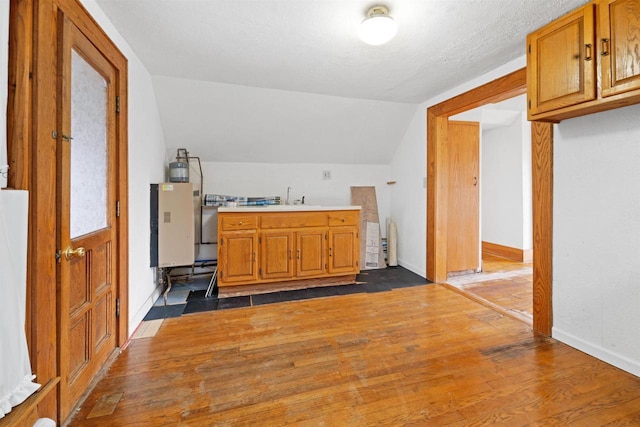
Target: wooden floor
point(504, 283)
point(413, 356)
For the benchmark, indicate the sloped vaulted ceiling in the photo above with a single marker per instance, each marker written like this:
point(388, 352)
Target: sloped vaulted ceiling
point(289, 81)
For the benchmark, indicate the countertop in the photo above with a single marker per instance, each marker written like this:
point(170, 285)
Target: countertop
point(287, 208)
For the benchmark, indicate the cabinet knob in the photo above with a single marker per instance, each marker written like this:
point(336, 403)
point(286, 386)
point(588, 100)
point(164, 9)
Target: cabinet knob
point(239, 222)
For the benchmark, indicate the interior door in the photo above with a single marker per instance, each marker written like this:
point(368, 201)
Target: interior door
point(463, 235)
point(87, 235)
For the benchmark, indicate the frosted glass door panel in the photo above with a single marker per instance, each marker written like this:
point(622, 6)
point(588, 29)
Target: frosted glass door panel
point(88, 211)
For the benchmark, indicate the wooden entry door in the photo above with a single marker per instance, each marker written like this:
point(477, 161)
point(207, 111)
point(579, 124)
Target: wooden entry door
point(463, 234)
point(87, 225)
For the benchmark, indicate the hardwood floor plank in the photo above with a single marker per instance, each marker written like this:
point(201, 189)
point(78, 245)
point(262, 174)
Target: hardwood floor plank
point(421, 355)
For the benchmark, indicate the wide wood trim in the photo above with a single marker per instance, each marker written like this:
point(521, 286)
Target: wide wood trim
point(515, 254)
point(27, 413)
point(437, 163)
point(437, 160)
point(122, 197)
point(542, 174)
point(42, 206)
point(18, 129)
point(31, 119)
point(505, 87)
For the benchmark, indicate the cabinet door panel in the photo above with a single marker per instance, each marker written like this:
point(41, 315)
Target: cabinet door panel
point(310, 253)
point(619, 32)
point(238, 252)
point(561, 62)
point(277, 255)
point(344, 250)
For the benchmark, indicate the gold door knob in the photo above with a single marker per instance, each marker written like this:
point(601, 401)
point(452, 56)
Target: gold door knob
point(69, 252)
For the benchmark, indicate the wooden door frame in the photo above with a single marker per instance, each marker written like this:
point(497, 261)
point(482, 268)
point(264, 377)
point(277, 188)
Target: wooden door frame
point(31, 119)
point(438, 115)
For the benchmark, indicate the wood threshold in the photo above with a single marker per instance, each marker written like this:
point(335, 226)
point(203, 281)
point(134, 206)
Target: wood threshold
point(495, 307)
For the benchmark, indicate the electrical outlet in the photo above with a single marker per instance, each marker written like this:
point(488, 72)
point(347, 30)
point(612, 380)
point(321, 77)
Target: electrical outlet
point(326, 174)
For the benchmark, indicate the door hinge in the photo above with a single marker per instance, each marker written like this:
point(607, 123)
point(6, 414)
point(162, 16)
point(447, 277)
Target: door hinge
point(117, 104)
point(260, 271)
point(117, 208)
point(58, 256)
point(529, 104)
point(221, 274)
point(357, 235)
point(326, 266)
point(117, 307)
point(357, 263)
point(326, 236)
point(529, 48)
point(259, 239)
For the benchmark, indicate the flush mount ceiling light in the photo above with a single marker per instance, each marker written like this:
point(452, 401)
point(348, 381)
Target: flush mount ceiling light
point(378, 27)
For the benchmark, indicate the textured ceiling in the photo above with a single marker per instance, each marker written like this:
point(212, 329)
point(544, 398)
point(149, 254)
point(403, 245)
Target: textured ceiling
point(312, 45)
point(214, 62)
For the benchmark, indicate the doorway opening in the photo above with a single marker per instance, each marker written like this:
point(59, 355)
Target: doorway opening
point(438, 164)
point(502, 213)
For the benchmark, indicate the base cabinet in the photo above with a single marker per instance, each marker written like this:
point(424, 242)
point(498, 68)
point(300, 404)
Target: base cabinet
point(344, 245)
point(276, 255)
point(311, 250)
point(286, 246)
point(238, 252)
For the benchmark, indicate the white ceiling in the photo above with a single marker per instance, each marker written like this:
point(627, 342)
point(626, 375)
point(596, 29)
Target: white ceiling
point(312, 47)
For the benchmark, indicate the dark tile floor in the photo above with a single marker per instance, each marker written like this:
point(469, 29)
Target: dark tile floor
point(188, 297)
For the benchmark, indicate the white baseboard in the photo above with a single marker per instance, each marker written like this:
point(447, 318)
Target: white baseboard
point(631, 366)
point(420, 272)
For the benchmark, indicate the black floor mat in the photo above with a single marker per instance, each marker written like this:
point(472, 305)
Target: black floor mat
point(368, 281)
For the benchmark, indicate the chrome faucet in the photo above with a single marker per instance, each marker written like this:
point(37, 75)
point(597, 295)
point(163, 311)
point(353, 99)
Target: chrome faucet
point(286, 202)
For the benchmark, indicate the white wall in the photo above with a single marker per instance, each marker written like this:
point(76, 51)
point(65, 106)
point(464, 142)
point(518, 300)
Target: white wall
point(4, 58)
point(596, 235)
point(233, 123)
point(408, 198)
point(146, 166)
point(504, 183)
point(266, 179)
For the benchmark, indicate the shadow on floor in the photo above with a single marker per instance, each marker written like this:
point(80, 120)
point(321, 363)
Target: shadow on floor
point(189, 297)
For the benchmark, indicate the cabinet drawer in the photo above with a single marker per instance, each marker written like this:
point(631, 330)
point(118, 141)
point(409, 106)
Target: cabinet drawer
point(294, 220)
point(234, 222)
point(344, 218)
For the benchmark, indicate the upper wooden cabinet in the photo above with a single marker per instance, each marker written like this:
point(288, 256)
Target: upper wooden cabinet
point(585, 62)
point(561, 63)
point(619, 33)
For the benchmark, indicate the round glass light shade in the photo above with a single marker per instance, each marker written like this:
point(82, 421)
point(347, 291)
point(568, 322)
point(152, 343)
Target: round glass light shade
point(377, 29)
